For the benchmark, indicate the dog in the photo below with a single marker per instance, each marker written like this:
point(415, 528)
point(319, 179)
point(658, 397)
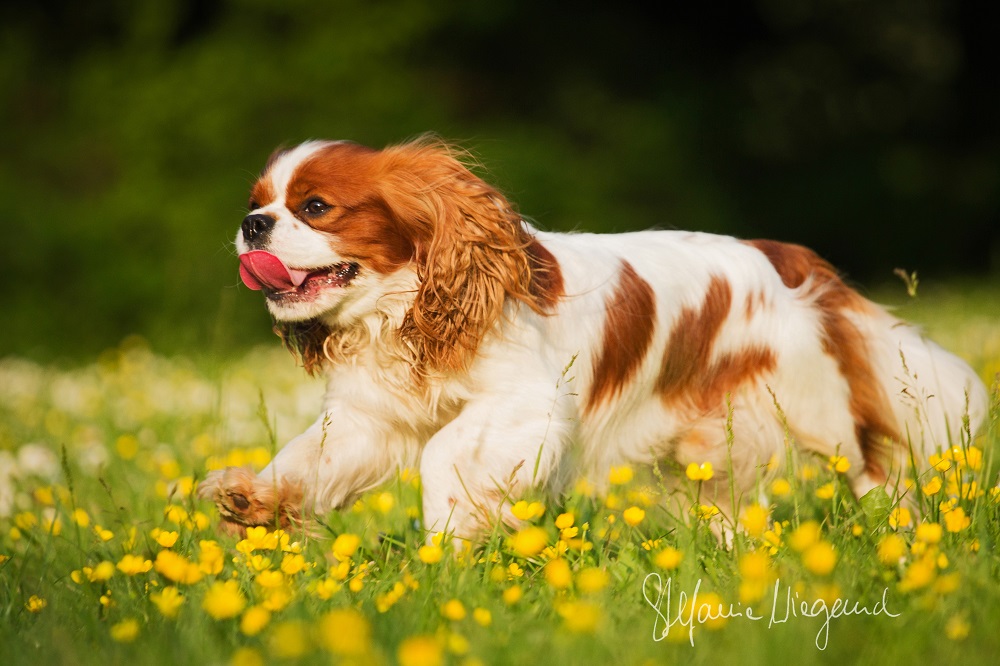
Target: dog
point(498, 358)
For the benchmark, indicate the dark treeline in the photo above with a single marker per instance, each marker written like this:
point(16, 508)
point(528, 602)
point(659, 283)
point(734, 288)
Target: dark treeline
point(132, 129)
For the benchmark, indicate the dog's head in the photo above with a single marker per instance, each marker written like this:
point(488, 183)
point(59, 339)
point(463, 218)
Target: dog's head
point(335, 226)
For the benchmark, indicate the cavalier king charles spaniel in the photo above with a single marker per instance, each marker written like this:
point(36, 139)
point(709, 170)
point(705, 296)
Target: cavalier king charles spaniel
point(498, 358)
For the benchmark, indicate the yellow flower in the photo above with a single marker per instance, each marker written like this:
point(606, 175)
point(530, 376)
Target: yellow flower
point(270, 580)
point(210, 557)
point(568, 533)
point(51, 525)
point(102, 572)
point(974, 458)
point(580, 617)
point(828, 592)
point(35, 604)
point(755, 565)
point(957, 628)
point(932, 487)
point(820, 558)
point(780, 487)
point(420, 651)
point(929, 532)
point(257, 562)
point(345, 545)
point(941, 463)
point(385, 601)
point(702, 472)
point(512, 595)
point(633, 515)
point(619, 476)
point(44, 495)
point(176, 567)
point(25, 521)
point(839, 464)
point(199, 521)
point(528, 542)
point(254, 620)
point(384, 502)
point(669, 558)
point(258, 538)
point(223, 600)
point(130, 565)
point(754, 520)
point(168, 601)
point(125, 631)
point(345, 632)
point(246, 656)
point(515, 570)
point(956, 520)
point(175, 514)
point(103, 534)
point(524, 511)
point(919, 574)
point(592, 579)
point(756, 574)
point(808, 472)
point(293, 563)
point(430, 554)
point(325, 588)
point(773, 537)
point(825, 491)
point(453, 610)
point(948, 583)
point(483, 617)
point(705, 511)
point(900, 517)
point(564, 521)
point(81, 518)
point(805, 535)
point(459, 645)
point(558, 574)
point(164, 538)
point(276, 599)
point(289, 640)
point(127, 446)
point(890, 549)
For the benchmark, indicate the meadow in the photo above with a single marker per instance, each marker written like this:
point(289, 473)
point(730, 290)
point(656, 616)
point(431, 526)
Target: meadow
point(105, 556)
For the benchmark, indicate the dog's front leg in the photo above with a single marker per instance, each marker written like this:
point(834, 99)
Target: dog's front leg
point(496, 449)
point(341, 455)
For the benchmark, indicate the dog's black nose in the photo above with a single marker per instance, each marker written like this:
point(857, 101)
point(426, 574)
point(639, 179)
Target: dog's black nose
point(256, 227)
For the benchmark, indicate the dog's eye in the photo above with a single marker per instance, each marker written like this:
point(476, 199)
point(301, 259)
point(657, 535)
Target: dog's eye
point(252, 205)
point(316, 207)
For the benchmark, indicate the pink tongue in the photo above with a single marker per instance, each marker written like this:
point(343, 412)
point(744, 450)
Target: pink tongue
point(263, 270)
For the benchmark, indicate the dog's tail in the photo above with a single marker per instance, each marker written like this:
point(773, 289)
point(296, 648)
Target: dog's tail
point(937, 399)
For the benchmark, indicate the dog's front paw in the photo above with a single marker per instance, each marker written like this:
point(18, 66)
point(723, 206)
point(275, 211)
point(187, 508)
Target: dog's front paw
point(245, 500)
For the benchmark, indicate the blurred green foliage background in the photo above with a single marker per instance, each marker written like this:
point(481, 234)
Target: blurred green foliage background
point(132, 129)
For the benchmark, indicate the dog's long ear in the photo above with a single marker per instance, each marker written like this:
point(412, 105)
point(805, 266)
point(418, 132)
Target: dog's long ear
point(471, 251)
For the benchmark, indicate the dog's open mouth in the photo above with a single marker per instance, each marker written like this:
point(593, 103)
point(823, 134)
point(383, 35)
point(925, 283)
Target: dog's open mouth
point(263, 271)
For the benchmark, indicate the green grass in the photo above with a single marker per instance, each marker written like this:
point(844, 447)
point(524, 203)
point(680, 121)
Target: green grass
point(120, 438)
